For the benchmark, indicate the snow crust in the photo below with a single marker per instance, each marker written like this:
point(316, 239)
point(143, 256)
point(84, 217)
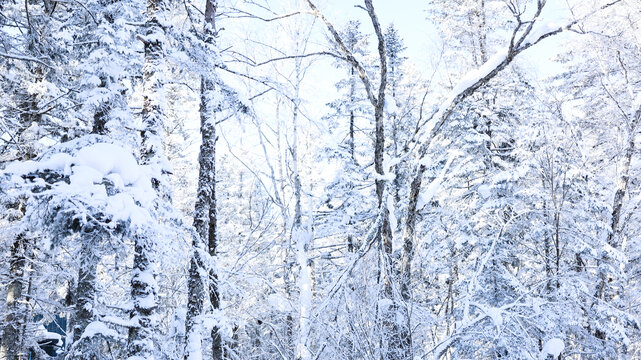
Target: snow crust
point(391, 107)
point(147, 302)
point(193, 348)
point(485, 191)
point(475, 75)
point(118, 321)
point(496, 316)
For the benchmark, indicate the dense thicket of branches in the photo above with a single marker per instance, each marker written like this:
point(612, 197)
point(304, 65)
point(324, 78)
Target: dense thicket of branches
point(265, 179)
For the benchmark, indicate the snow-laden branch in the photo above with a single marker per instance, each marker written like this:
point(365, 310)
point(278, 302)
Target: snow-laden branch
point(469, 84)
point(426, 196)
point(247, 14)
point(477, 78)
point(25, 58)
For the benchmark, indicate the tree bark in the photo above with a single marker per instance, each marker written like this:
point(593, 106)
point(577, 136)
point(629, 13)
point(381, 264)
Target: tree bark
point(352, 143)
point(12, 342)
point(86, 287)
point(300, 237)
point(617, 206)
point(143, 282)
point(208, 110)
point(205, 212)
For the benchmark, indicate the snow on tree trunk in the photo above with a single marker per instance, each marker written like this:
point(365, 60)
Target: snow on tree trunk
point(617, 205)
point(143, 283)
point(83, 346)
point(86, 288)
point(12, 342)
point(205, 214)
point(352, 143)
point(212, 240)
point(302, 238)
point(143, 293)
point(87, 272)
point(395, 318)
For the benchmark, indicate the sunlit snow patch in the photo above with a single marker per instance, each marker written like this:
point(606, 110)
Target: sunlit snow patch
point(553, 347)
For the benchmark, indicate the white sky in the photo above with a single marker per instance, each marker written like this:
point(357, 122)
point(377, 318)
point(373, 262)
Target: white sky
point(419, 34)
point(421, 38)
point(408, 16)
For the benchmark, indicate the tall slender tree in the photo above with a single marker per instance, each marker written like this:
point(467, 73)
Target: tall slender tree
point(143, 282)
point(205, 210)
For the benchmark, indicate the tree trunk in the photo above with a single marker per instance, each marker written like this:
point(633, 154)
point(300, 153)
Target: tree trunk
point(85, 294)
point(300, 238)
point(352, 89)
point(396, 337)
point(205, 212)
point(86, 288)
point(619, 196)
point(143, 293)
point(12, 342)
point(143, 282)
point(87, 272)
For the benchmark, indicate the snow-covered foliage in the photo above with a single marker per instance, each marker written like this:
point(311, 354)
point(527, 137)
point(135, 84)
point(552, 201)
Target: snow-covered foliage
point(87, 181)
point(289, 180)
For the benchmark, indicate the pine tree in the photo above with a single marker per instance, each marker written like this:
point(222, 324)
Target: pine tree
point(29, 85)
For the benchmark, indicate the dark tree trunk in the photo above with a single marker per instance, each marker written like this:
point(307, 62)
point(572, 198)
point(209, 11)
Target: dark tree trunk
point(14, 326)
point(205, 210)
point(209, 137)
point(84, 297)
point(143, 292)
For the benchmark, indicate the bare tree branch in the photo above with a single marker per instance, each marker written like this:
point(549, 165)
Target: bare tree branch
point(296, 57)
point(348, 54)
point(25, 58)
point(246, 14)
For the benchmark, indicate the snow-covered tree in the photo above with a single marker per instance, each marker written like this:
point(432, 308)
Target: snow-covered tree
point(244, 180)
